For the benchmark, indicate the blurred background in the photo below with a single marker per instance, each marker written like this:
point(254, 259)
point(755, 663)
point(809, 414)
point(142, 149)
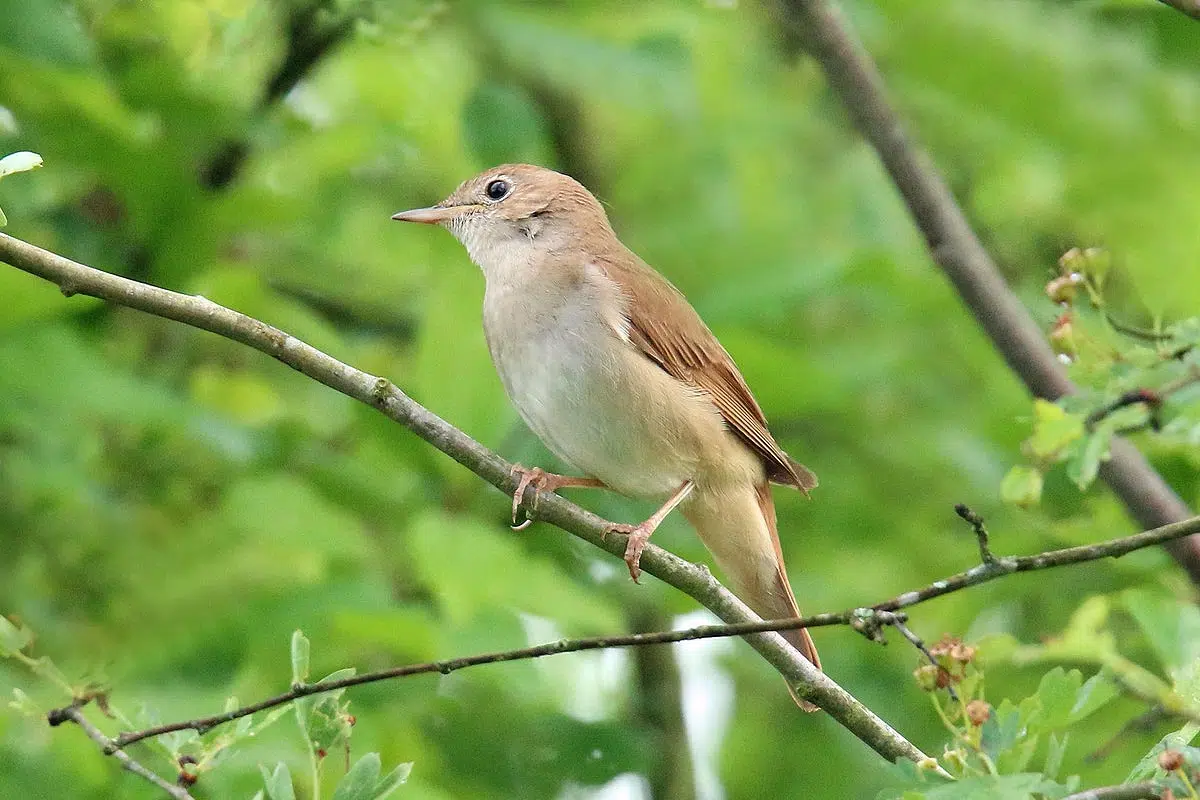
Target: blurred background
point(173, 505)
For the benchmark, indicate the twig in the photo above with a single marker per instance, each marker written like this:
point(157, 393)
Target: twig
point(110, 748)
point(1130, 791)
point(1153, 398)
point(868, 621)
point(981, 534)
point(916, 642)
point(805, 680)
point(958, 251)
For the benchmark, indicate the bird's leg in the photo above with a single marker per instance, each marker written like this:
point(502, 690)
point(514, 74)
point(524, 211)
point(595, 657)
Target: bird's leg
point(640, 534)
point(542, 481)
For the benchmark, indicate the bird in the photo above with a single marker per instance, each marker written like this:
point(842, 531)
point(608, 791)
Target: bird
point(611, 367)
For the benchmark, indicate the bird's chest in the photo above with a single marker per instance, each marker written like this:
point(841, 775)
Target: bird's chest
point(573, 379)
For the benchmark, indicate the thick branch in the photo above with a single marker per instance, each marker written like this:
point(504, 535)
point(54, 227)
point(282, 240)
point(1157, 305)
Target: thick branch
point(75, 714)
point(807, 682)
point(869, 621)
point(960, 254)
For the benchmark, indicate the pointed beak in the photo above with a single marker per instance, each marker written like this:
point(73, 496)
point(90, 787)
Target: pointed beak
point(433, 215)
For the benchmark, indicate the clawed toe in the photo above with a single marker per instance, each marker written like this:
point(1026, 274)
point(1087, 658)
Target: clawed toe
point(638, 535)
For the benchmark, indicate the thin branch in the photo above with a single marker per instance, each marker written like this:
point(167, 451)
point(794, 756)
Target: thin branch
point(204, 724)
point(806, 681)
point(75, 714)
point(1153, 398)
point(868, 621)
point(955, 247)
point(916, 642)
point(981, 534)
point(1131, 791)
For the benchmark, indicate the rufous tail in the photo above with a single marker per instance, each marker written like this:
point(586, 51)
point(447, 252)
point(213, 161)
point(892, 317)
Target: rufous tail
point(739, 529)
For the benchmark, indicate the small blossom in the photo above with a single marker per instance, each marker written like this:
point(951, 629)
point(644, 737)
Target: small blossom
point(978, 712)
point(1170, 760)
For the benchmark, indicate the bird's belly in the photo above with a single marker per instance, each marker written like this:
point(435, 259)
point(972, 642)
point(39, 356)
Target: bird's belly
point(605, 409)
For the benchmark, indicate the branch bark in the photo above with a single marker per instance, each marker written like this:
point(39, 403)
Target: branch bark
point(955, 248)
point(75, 714)
point(807, 682)
point(1132, 791)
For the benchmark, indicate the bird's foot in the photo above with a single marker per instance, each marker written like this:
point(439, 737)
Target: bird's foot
point(638, 535)
point(541, 481)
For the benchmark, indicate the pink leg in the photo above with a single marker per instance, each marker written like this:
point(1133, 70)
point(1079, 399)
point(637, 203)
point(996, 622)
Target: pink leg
point(542, 481)
point(640, 534)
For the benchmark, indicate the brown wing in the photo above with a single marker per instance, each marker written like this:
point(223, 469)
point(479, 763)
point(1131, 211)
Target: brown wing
point(688, 351)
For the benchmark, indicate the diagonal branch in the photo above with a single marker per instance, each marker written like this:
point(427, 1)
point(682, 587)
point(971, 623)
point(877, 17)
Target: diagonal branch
point(75, 714)
point(958, 251)
point(868, 621)
point(806, 681)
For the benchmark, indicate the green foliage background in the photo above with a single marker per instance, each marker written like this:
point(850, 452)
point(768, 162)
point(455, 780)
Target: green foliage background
point(172, 505)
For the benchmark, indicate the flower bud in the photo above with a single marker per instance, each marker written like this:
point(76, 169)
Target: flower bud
point(1170, 760)
point(978, 712)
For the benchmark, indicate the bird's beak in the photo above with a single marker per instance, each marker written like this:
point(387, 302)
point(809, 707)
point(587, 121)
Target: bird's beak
point(433, 215)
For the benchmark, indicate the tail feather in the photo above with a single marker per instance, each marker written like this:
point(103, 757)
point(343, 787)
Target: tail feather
point(739, 529)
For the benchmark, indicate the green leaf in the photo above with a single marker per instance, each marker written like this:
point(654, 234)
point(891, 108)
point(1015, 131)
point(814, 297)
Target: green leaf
point(13, 639)
point(1095, 693)
point(1056, 748)
point(300, 651)
point(1056, 697)
point(1084, 462)
point(359, 783)
point(1022, 486)
point(279, 782)
point(1053, 430)
point(1000, 731)
point(1171, 626)
point(1148, 764)
point(392, 781)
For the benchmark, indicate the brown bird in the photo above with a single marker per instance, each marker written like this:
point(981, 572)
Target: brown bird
point(614, 370)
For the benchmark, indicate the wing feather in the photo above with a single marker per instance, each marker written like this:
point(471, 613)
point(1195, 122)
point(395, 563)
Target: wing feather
point(688, 351)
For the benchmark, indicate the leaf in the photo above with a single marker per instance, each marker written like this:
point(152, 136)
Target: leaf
point(1148, 764)
point(22, 161)
point(1172, 627)
point(300, 651)
point(1056, 696)
point(279, 782)
point(1095, 693)
point(1000, 731)
point(1022, 486)
point(1053, 430)
point(13, 638)
point(359, 783)
point(393, 780)
point(1084, 462)
point(1056, 748)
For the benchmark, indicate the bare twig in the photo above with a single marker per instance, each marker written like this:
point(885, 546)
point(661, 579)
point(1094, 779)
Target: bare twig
point(981, 534)
point(1153, 398)
point(958, 251)
point(75, 714)
point(868, 621)
point(1130, 791)
point(806, 681)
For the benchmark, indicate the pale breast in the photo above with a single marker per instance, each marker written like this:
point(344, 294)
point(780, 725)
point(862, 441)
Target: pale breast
point(593, 399)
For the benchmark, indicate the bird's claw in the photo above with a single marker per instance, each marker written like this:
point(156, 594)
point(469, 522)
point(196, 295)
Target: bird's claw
point(537, 477)
point(638, 535)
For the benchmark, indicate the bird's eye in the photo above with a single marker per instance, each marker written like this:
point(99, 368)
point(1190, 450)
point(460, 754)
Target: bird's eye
point(498, 189)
